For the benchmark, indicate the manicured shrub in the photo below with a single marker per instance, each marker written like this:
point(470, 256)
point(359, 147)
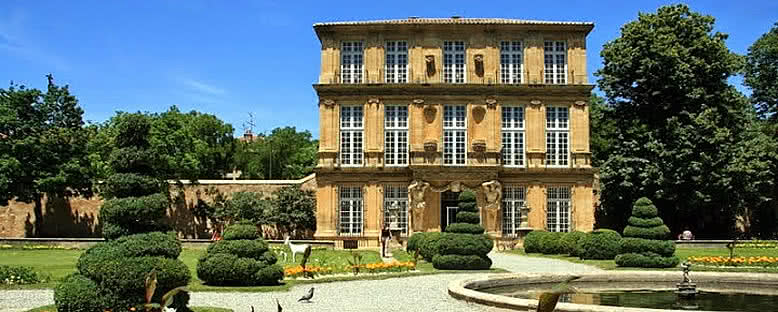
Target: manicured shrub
point(467, 201)
point(468, 217)
point(461, 262)
point(269, 275)
point(656, 232)
point(532, 242)
point(428, 246)
point(241, 231)
point(227, 269)
point(644, 208)
point(150, 244)
point(254, 249)
point(464, 244)
point(465, 228)
point(645, 222)
point(77, 293)
point(604, 244)
point(123, 279)
point(646, 260)
point(414, 241)
point(130, 215)
point(19, 275)
point(569, 242)
point(578, 249)
point(665, 248)
point(551, 243)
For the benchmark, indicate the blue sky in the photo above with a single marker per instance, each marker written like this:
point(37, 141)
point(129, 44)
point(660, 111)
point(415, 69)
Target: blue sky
point(232, 58)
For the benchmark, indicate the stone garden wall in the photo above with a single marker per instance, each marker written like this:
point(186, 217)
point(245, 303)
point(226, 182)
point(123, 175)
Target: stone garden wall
point(78, 216)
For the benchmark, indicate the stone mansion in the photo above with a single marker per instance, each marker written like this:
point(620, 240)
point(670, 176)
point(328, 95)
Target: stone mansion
point(414, 111)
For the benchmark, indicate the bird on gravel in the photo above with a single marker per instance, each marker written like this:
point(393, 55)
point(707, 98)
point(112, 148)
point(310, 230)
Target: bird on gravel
point(548, 300)
point(307, 296)
point(280, 309)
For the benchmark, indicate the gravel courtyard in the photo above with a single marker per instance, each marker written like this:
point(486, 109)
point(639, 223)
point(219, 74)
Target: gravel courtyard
point(419, 293)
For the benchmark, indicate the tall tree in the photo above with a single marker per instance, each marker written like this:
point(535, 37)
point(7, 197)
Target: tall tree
point(285, 153)
point(685, 136)
point(41, 145)
point(761, 74)
point(602, 130)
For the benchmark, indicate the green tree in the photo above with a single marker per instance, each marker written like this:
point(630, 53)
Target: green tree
point(244, 206)
point(603, 128)
point(761, 73)
point(42, 137)
point(285, 153)
point(293, 209)
point(685, 136)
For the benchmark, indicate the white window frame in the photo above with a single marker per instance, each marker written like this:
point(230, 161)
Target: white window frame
point(396, 135)
point(558, 136)
point(352, 136)
point(454, 62)
point(513, 198)
point(351, 211)
point(511, 62)
point(397, 193)
point(454, 135)
point(558, 208)
point(555, 62)
point(513, 136)
point(352, 62)
point(396, 62)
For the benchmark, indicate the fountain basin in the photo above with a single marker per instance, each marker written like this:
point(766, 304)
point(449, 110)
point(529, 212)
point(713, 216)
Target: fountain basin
point(473, 289)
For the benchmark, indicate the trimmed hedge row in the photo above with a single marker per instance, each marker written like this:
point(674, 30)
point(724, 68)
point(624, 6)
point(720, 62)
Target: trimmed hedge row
point(603, 244)
point(241, 231)
point(548, 243)
point(645, 222)
point(229, 269)
point(646, 260)
point(657, 232)
point(465, 228)
point(468, 217)
point(665, 248)
point(461, 262)
point(464, 244)
point(570, 241)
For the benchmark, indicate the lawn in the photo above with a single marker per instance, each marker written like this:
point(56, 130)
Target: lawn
point(683, 254)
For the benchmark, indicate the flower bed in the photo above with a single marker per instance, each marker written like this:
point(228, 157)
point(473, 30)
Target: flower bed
point(20, 275)
point(757, 244)
point(762, 261)
point(371, 268)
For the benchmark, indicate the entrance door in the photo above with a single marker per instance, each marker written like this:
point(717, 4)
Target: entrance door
point(451, 213)
point(449, 203)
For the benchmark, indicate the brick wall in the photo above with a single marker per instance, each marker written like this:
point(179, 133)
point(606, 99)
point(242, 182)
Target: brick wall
point(78, 216)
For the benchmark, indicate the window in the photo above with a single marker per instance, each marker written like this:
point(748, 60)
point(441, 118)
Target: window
point(512, 201)
point(513, 136)
point(454, 62)
point(396, 200)
point(396, 62)
point(351, 60)
point(350, 221)
point(558, 212)
point(351, 131)
point(511, 62)
point(454, 135)
point(555, 59)
point(396, 135)
point(557, 137)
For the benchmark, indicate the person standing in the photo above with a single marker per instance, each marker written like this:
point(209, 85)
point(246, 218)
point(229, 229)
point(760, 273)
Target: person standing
point(386, 235)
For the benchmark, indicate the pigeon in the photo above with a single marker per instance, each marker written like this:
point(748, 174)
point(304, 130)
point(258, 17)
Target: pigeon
point(280, 309)
point(307, 296)
point(252, 308)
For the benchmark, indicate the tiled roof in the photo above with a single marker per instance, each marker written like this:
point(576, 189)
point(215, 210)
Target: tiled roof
point(454, 20)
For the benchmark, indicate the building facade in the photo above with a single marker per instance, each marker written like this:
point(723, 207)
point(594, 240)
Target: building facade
point(414, 111)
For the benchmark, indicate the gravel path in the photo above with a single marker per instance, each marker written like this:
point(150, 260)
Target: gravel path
point(418, 293)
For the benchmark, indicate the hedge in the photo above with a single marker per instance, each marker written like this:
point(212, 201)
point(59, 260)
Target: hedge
point(77, 293)
point(428, 247)
point(241, 231)
point(578, 249)
point(646, 260)
point(644, 208)
point(229, 269)
point(460, 262)
point(532, 241)
point(569, 242)
point(149, 244)
point(664, 248)
point(269, 275)
point(644, 222)
point(604, 244)
point(19, 275)
point(468, 217)
point(543, 242)
point(464, 244)
point(465, 228)
point(657, 232)
point(254, 249)
point(413, 241)
point(122, 185)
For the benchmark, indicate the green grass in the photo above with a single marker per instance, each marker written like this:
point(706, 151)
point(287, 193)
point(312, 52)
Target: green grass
point(51, 308)
point(56, 263)
point(682, 253)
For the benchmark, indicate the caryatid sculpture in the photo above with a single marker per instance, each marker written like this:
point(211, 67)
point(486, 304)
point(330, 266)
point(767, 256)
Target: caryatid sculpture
point(493, 193)
point(416, 193)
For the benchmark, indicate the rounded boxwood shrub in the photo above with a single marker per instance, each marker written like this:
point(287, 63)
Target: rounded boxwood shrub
point(551, 243)
point(665, 248)
point(428, 246)
point(149, 244)
point(130, 215)
point(414, 241)
point(77, 293)
point(254, 249)
point(467, 201)
point(532, 242)
point(269, 275)
point(464, 244)
point(468, 217)
point(241, 231)
point(227, 269)
point(656, 232)
point(644, 208)
point(578, 249)
point(646, 260)
point(604, 244)
point(461, 262)
point(465, 228)
point(645, 222)
point(569, 242)
point(123, 279)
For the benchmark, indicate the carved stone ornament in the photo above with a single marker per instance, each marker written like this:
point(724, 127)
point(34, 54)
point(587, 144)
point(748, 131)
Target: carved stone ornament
point(418, 102)
point(431, 146)
point(373, 101)
point(328, 102)
point(430, 64)
point(535, 102)
point(479, 58)
point(479, 146)
point(580, 103)
point(491, 102)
